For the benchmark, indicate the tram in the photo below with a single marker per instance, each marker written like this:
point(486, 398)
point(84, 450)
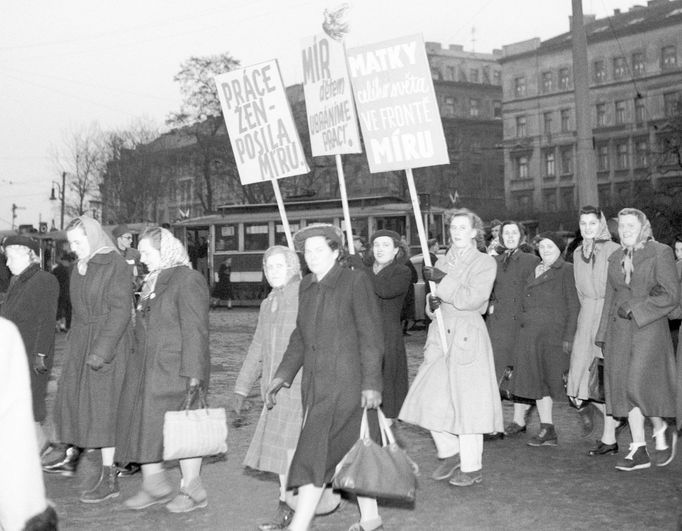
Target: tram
point(242, 233)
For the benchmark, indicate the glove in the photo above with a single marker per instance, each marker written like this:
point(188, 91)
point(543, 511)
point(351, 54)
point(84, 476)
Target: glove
point(94, 362)
point(39, 364)
point(275, 385)
point(433, 274)
point(370, 399)
point(624, 312)
point(434, 303)
point(355, 261)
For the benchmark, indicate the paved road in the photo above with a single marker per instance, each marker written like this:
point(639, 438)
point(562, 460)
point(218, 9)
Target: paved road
point(523, 487)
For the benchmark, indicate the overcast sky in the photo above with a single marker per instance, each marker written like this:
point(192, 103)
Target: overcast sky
point(65, 64)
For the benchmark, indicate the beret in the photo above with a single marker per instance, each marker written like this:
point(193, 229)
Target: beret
point(120, 230)
point(22, 240)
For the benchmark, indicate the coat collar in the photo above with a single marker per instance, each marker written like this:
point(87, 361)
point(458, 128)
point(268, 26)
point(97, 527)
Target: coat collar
point(549, 274)
point(329, 280)
point(27, 273)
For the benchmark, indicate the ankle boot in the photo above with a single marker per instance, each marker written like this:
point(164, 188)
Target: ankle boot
point(192, 496)
point(106, 487)
point(155, 489)
point(65, 465)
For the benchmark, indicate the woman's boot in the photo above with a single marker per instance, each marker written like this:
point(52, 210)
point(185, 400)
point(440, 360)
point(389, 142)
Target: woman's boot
point(106, 487)
point(65, 465)
point(192, 496)
point(155, 489)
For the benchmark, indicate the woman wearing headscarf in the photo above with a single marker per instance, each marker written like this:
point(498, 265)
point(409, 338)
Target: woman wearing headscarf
point(549, 314)
point(171, 361)
point(455, 394)
point(590, 264)
point(31, 304)
point(338, 344)
point(96, 354)
point(639, 363)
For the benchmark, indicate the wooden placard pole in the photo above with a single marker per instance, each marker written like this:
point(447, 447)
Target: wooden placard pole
point(283, 215)
point(419, 220)
point(344, 204)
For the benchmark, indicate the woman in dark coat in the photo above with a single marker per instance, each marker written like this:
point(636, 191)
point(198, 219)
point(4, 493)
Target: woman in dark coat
point(548, 322)
point(97, 351)
point(639, 363)
point(171, 358)
point(31, 304)
point(222, 290)
point(338, 344)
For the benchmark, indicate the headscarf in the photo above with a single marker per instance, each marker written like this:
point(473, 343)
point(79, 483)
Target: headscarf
point(173, 254)
point(293, 269)
point(588, 246)
point(503, 250)
point(627, 264)
point(99, 241)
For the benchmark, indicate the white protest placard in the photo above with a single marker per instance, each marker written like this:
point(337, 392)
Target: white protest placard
point(397, 105)
point(332, 122)
point(259, 123)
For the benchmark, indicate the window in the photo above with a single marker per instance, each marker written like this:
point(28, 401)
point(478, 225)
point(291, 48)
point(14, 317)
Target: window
point(564, 79)
point(622, 162)
point(435, 73)
point(567, 202)
point(603, 157)
point(641, 153)
point(256, 237)
point(448, 106)
point(547, 82)
point(638, 64)
point(185, 192)
point(601, 114)
point(474, 105)
point(620, 112)
point(226, 238)
point(619, 68)
point(497, 109)
point(172, 191)
point(281, 237)
point(521, 167)
point(519, 86)
point(497, 77)
point(549, 198)
point(671, 103)
point(523, 202)
point(604, 192)
point(547, 121)
point(599, 72)
point(550, 170)
point(565, 120)
point(521, 126)
point(452, 75)
point(473, 75)
point(668, 57)
point(567, 161)
point(640, 110)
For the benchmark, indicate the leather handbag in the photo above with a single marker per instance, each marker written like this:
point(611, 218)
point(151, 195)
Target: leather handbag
point(595, 381)
point(194, 432)
point(505, 383)
point(377, 471)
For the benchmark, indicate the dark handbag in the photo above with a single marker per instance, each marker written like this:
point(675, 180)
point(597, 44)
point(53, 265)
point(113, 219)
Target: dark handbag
point(375, 471)
point(505, 383)
point(595, 381)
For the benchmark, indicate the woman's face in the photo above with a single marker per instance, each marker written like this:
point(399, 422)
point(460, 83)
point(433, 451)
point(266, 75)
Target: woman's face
point(589, 226)
point(629, 229)
point(79, 243)
point(18, 258)
point(462, 233)
point(384, 250)
point(548, 250)
point(276, 270)
point(678, 250)
point(319, 256)
point(511, 236)
point(150, 256)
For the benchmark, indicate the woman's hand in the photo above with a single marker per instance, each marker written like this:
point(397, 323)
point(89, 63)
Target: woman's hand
point(275, 385)
point(433, 274)
point(94, 362)
point(370, 399)
point(567, 347)
point(237, 403)
point(193, 383)
point(39, 364)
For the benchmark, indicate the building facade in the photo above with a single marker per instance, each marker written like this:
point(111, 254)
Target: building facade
point(635, 82)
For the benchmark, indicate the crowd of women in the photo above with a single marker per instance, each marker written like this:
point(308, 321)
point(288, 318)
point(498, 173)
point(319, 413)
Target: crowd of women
point(329, 345)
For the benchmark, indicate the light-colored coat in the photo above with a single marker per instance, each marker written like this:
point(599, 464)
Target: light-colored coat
point(456, 391)
point(590, 283)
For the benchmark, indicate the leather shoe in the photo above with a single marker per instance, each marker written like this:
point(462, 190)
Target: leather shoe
point(495, 436)
point(65, 465)
point(446, 468)
point(125, 471)
point(603, 449)
point(514, 429)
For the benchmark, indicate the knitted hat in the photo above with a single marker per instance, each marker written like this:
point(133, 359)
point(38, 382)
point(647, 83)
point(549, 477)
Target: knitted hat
point(554, 237)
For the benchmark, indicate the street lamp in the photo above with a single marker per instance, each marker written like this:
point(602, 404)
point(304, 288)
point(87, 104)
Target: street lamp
point(61, 197)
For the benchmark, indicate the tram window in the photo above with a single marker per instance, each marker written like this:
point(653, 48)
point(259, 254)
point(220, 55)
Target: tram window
point(256, 237)
point(280, 237)
point(310, 221)
point(394, 223)
point(360, 226)
point(226, 238)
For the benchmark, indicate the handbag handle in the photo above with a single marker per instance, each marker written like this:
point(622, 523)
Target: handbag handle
point(189, 398)
point(387, 437)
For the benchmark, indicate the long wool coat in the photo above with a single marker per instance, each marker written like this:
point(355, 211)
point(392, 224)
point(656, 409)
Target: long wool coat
point(171, 346)
point(639, 364)
point(456, 391)
point(590, 283)
point(278, 428)
point(548, 318)
point(87, 399)
point(503, 323)
point(677, 314)
point(31, 304)
point(338, 344)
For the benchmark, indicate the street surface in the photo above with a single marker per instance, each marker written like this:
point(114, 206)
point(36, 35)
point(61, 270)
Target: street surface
point(523, 487)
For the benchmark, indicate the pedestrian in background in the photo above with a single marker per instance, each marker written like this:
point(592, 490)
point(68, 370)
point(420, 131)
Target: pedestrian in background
point(31, 304)
point(62, 271)
point(548, 322)
point(639, 363)
point(337, 343)
point(455, 393)
point(590, 267)
point(222, 289)
point(97, 351)
point(171, 360)
point(124, 244)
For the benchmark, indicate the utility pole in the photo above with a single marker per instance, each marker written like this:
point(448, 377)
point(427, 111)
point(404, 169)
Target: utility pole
point(586, 168)
point(14, 213)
